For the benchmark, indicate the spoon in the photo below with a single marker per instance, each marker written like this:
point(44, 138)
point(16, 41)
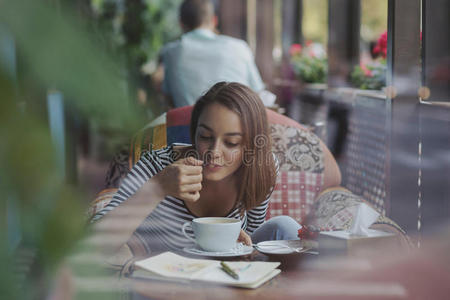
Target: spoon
point(279, 246)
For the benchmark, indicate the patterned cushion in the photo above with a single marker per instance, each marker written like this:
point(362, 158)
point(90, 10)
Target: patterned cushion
point(147, 139)
point(296, 149)
point(301, 171)
point(335, 209)
point(178, 121)
point(118, 168)
point(294, 194)
point(102, 199)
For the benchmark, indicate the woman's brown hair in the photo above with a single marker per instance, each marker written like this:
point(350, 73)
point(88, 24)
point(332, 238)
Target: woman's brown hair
point(257, 171)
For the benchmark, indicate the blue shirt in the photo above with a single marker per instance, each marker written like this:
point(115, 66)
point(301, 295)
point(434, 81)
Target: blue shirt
point(202, 58)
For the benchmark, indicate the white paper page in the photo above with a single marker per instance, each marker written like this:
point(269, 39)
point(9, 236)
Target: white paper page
point(172, 265)
point(248, 271)
point(143, 274)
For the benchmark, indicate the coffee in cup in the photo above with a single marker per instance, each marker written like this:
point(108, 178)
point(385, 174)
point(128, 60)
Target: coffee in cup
point(214, 234)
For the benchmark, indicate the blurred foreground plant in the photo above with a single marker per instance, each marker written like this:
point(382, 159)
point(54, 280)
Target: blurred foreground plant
point(138, 27)
point(137, 30)
point(42, 216)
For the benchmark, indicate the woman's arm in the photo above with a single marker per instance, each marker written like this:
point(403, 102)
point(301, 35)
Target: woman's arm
point(256, 216)
point(116, 227)
point(137, 196)
point(149, 181)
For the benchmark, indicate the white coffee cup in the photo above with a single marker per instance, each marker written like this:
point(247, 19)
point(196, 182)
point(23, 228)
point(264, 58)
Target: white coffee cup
point(213, 233)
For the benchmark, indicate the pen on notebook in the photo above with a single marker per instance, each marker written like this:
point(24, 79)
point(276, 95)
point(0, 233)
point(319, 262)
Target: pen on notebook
point(229, 271)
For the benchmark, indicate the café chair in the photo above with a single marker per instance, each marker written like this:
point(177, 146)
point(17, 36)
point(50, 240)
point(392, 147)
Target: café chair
point(308, 184)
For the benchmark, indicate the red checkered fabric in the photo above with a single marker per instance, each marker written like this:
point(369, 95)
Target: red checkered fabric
point(294, 194)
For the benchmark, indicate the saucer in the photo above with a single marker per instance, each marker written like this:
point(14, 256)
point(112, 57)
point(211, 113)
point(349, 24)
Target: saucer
point(239, 250)
point(280, 247)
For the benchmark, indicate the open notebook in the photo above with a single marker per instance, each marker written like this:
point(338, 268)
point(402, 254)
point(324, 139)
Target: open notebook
point(170, 266)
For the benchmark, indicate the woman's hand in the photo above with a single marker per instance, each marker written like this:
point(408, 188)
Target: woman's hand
point(244, 238)
point(182, 179)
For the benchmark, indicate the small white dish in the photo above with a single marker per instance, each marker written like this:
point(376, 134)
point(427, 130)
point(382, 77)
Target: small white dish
point(281, 247)
point(239, 250)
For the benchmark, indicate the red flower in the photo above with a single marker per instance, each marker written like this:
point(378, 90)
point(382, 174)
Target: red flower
point(376, 50)
point(381, 45)
point(308, 43)
point(367, 71)
point(306, 233)
point(295, 49)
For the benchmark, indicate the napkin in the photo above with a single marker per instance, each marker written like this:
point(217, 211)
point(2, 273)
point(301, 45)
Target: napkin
point(364, 217)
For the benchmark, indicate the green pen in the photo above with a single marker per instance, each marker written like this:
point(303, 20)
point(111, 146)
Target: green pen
point(228, 270)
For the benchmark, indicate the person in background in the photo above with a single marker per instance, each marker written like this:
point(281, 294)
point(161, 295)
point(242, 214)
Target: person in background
point(201, 57)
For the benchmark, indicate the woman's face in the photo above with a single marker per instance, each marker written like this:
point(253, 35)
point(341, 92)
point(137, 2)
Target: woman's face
point(219, 140)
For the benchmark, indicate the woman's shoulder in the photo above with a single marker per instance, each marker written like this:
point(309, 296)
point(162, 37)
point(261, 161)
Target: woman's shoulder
point(180, 147)
point(170, 150)
point(182, 150)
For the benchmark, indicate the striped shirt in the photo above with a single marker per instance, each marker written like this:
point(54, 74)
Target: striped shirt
point(161, 229)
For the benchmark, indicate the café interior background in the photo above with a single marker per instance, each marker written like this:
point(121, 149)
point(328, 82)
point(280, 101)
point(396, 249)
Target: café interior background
point(76, 84)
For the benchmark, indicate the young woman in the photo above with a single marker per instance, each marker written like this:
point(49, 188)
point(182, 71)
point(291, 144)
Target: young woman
point(229, 171)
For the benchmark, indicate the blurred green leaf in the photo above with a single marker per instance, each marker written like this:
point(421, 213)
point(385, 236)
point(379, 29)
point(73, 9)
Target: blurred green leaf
point(60, 55)
point(55, 52)
point(93, 73)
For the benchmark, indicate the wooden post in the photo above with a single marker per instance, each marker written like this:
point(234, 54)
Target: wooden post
point(343, 40)
point(436, 50)
point(232, 18)
point(434, 123)
point(403, 81)
point(291, 24)
point(264, 40)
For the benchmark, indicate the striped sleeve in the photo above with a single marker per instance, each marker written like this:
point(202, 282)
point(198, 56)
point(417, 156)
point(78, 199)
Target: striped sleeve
point(150, 164)
point(257, 215)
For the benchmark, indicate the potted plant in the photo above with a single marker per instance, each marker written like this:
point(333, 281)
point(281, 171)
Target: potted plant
point(310, 66)
point(309, 62)
point(372, 75)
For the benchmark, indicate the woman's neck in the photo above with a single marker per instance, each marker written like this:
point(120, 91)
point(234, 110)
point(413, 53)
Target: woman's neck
point(217, 198)
point(226, 184)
